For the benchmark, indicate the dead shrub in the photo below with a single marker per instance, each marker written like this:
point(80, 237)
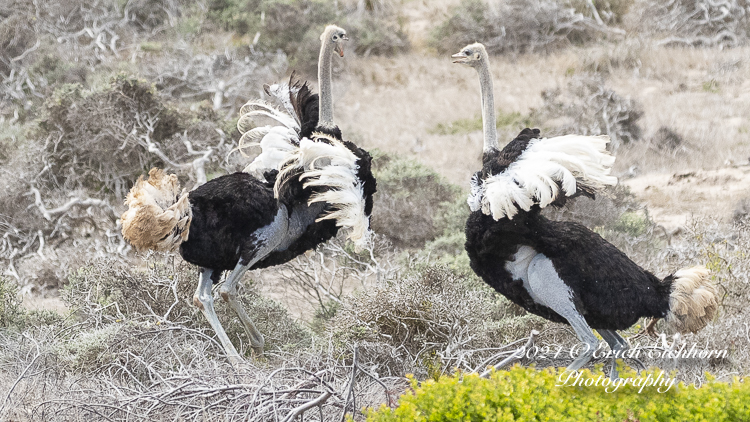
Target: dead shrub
point(588, 107)
point(433, 319)
point(699, 22)
point(515, 26)
point(109, 291)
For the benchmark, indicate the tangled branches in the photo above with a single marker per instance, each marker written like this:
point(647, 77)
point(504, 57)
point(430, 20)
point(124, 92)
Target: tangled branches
point(517, 26)
point(323, 277)
point(700, 22)
point(589, 107)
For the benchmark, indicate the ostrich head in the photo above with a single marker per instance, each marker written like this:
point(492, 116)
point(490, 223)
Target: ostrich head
point(335, 36)
point(473, 55)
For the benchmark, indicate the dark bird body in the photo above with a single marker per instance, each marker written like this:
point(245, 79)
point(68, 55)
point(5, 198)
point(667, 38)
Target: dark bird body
point(305, 184)
point(609, 290)
point(561, 270)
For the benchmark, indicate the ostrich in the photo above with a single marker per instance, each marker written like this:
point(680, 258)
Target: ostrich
point(240, 221)
point(561, 270)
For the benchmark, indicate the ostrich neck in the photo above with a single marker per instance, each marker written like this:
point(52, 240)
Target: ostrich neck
point(325, 113)
point(488, 108)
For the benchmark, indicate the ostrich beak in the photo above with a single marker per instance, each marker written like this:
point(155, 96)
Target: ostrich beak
point(459, 58)
point(339, 48)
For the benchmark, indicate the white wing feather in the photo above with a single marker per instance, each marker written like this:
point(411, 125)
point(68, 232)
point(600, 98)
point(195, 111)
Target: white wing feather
point(334, 167)
point(546, 166)
point(276, 142)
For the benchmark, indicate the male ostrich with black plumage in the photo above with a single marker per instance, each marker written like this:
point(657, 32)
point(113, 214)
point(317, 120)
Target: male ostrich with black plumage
point(561, 270)
point(248, 221)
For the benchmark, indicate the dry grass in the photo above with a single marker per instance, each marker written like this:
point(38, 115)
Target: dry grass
point(415, 93)
point(136, 349)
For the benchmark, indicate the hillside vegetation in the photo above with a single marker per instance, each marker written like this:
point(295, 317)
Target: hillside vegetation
point(93, 94)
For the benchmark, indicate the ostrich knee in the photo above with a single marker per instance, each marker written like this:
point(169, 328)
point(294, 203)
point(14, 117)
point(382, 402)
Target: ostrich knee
point(228, 293)
point(203, 299)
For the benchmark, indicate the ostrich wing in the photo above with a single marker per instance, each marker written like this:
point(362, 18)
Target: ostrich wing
point(276, 142)
point(547, 168)
point(330, 168)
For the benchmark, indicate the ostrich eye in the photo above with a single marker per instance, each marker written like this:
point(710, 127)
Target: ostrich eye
point(467, 52)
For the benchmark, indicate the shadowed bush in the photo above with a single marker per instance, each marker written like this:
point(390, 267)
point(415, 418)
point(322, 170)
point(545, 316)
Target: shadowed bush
point(515, 26)
point(414, 203)
point(588, 107)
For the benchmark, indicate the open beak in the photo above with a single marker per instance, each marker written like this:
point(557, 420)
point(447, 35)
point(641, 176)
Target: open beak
point(459, 58)
point(339, 48)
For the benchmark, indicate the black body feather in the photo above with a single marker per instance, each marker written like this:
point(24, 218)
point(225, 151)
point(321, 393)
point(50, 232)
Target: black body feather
point(610, 291)
point(229, 209)
point(226, 212)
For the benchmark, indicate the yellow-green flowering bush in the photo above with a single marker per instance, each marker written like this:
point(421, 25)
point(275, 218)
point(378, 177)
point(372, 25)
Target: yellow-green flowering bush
point(529, 394)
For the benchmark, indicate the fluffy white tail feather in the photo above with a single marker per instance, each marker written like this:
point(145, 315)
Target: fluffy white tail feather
point(693, 302)
point(331, 165)
point(158, 215)
point(546, 166)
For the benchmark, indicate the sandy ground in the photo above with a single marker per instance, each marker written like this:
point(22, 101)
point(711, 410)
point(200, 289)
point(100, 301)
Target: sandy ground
point(32, 302)
point(675, 197)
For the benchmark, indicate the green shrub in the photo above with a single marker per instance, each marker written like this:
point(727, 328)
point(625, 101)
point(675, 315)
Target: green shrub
point(414, 203)
point(11, 312)
point(294, 27)
point(102, 135)
point(529, 394)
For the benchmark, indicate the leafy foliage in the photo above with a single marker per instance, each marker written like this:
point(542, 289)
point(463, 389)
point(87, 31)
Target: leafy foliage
point(128, 117)
point(411, 200)
point(531, 394)
point(11, 312)
point(295, 26)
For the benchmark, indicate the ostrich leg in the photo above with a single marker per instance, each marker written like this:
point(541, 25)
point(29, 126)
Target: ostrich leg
point(267, 239)
point(204, 300)
point(617, 344)
point(547, 287)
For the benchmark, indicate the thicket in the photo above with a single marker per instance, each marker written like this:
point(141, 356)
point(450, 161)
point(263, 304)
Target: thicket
point(522, 26)
point(91, 101)
point(699, 22)
point(588, 107)
point(415, 203)
point(294, 26)
point(533, 394)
